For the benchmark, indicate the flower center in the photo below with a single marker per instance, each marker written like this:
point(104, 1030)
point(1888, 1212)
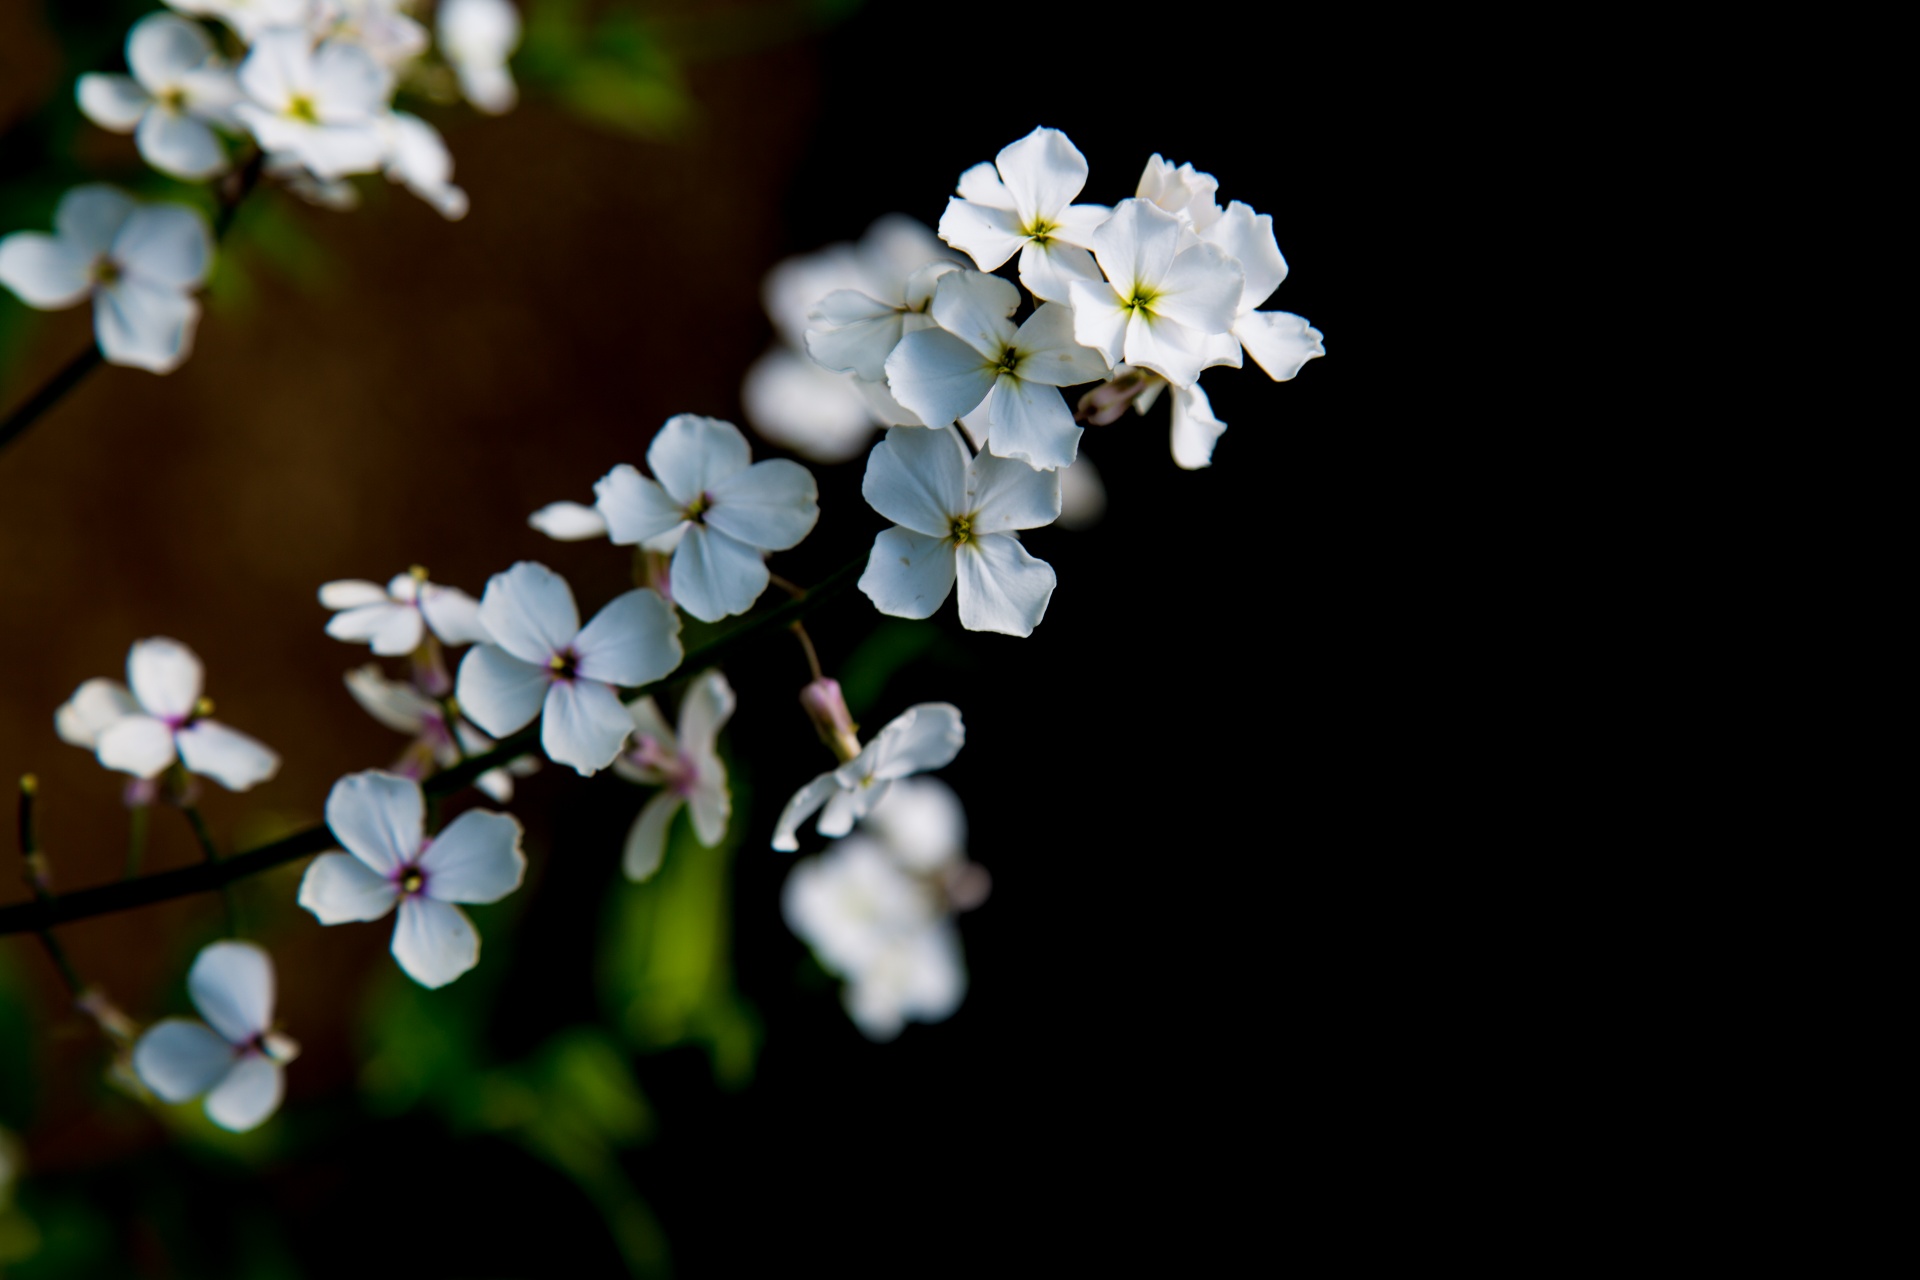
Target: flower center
point(1141, 300)
point(172, 98)
point(301, 109)
point(105, 271)
point(412, 880)
point(1040, 230)
point(962, 530)
point(698, 507)
point(564, 665)
point(1009, 362)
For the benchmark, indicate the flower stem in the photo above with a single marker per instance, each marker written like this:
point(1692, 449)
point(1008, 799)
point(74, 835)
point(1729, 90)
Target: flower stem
point(212, 853)
point(136, 840)
point(36, 876)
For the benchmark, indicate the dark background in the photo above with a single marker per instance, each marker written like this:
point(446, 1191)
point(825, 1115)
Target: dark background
point(1197, 1016)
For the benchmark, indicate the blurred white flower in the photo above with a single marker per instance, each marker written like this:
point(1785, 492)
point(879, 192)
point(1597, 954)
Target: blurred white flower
point(380, 818)
point(1083, 496)
point(405, 709)
point(321, 106)
point(685, 766)
point(178, 89)
point(569, 521)
point(248, 18)
point(477, 36)
point(1023, 203)
point(815, 412)
point(234, 1057)
point(924, 737)
point(393, 620)
point(381, 27)
point(418, 159)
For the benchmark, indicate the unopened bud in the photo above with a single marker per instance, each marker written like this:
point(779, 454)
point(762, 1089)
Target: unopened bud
point(827, 708)
point(417, 573)
point(119, 1027)
point(140, 792)
point(29, 785)
point(1106, 402)
point(203, 708)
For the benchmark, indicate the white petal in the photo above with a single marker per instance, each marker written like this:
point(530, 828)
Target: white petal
point(392, 629)
point(1049, 352)
point(926, 736)
point(94, 707)
point(165, 244)
point(918, 479)
point(499, 692)
point(804, 803)
point(937, 376)
point(162, 47)
point(529, 612)
point(487, 85)
point(710, 805)
point(1043, 172)
point(142, 325)
point(1031, 422)
point(176, 143)
point(987, 235)
point(975, 308)
point(228, 756)
point(981, 185)
point(453, 614)
point(278, 67)
point(89, 217)
point(231, 984)
point(139, 745)
point(339, 888)
point(847, 806)
point(434, 941)
point(649, 723)
point(1195, 429)
point(179, 1058)
point(398, 706)
point(647, 838)
point(1167, 347)
point(569, 522)
point(112, 102)
point(1002, 588)
point(1005, 495)
point(45, 271)
point(813, 411)
point(772, 505)
point(380, 818)
point(348, 85)
point(1076, 224)
point(634, 508)
point(1201, 290)
point(1050, 270)
point(475, 858)
point(882, 407)
point(633, 641)
point(908, 575)
point(165, 676)
point(250, 1093)
point(1280, 342)
point(1100, 320)
point(1248, 238)
point(352, 593)
point(714, 575)
point(852, 333)
point(1136, 246)
point(583, 725)
point(692, 454)
point(705, 708)
point(921, 823)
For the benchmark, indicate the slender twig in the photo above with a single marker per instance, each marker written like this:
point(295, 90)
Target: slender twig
point(163, 886)
point(211, 852)
point(36, 869)
point(136, 839)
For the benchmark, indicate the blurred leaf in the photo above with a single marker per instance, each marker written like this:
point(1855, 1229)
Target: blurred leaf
point(614, 72)
point(893, 645)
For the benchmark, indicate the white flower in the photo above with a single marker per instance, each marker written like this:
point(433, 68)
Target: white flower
point(850, 332)
point(248, 18)
point(418, 159)
point(321, 106)
point(1160, 305)
point(1279, 341)
point(234, 1057)
point(923, 737)
point(142, 733)
point(394, 619)
point(717, 514)
point(378, 26)
point(542, 662)
point(916, 976)
point(477, 36)
point(957, 517)
point(569, 521)
point(404, 708)
point(139, 263)
point(1023, 202)
point(687, 768)
point(178, 85)
point(976, 356)
point(381, 820)
point(1184, 192)
point(921, 823)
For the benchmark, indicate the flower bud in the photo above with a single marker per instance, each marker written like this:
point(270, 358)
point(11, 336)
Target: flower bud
point(827, 708)
point(1106, 402)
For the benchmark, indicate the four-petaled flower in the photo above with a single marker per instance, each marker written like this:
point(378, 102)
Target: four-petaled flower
point(393, 620)
point(178, 86)
point(322, 106)
point(381, 819)
point(235, 1056)
point(923, 737)
point(686, 767)
point(402, 707)
point(1023, 202)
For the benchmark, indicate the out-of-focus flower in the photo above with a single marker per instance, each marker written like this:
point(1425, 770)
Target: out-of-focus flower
point(418, 159)
point(569, 521)
point(235, 1057)
point(321, 106)
point(393, 620)
point(178, 89)
point(164, 718)
point(923, 737)
point(381, 27)
point(248, 18)
point(477, 36)
point(686, 767)
point(380, 818)
point(403, 708)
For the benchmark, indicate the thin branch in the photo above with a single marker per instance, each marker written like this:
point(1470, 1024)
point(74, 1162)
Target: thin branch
point(36, 869)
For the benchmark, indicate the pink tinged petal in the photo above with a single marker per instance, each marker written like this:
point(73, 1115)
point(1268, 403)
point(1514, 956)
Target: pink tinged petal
point(175, 143)
point(692, 454)
point(44, 271)
point(974, 307)
point(1076, 224)
point(499, 692)
point(352, 593)
point(165, 676)
point(529, 612)
point(584, 725)
point(380, 818)
point(228, 756)
point(392, 629)
point(231, 984)
point(90, 216)
point(349, 86)
point(981, 185)
point(1043, 171)
point(815, 412)
point(937, 376)
point(649, 723)
point(1031, 422)
point(846, 807)
point(987, 235)
point(1279, 341)
point(162, 47)
point(434, 941)
point(918, 479)
point(772, 505)
point(250, 1093)
point(279, 68)
point(398, 706)
point(634, 508)
point(1136, 246)
point(569, 522)
point(1167, 347)
point(714, 575)
point(1050, 353)
point(453, 614)
point(1195, 429)
point(143, 325)
point(1050, 270)
point(1248, 237)
point(1100, 320)
point(1002, 588)
point(1005, 495)
point(179, 1059)
point(908, 575)
point(634, 640)
point(94, 707)
point(647, 838)
point(707, 706)
point(339, 888)
point(924, 737)
point(112, 102)
point(475, 858)
point(1201, 290)
point(802, 806)
point(139, 745)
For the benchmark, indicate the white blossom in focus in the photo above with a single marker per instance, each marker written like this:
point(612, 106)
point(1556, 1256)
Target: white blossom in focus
point(924, 737)
point(1161, 307)
point(477, 36)
point(1184, 192)
point(248, 18)
point(235, 1057)
point(162, 719)
point(403, 708)
point(178, 89)
point(976, 357)
point(685, 766)
point(393, 620)
point(715, 509)
point(1279, 341)
point(957, 518)
point(139, 263)
point(1023, 202)
point(542, 662)
point(321, 106)
point(380, 818)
